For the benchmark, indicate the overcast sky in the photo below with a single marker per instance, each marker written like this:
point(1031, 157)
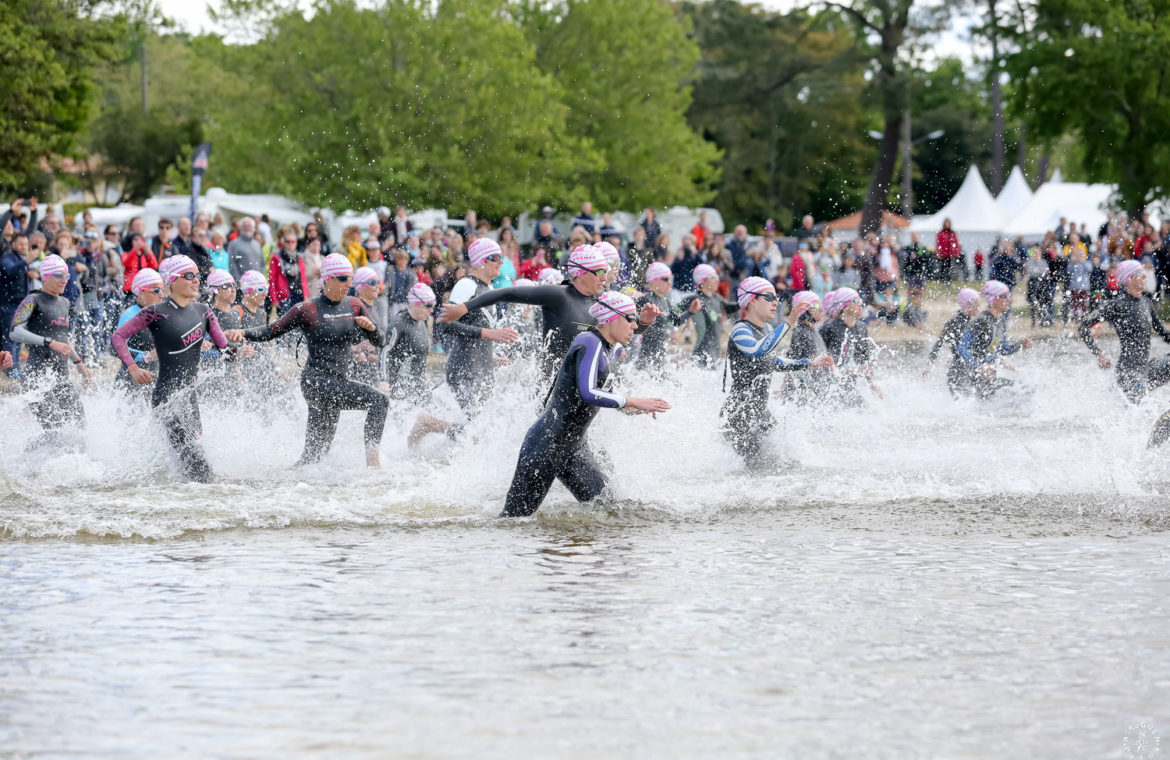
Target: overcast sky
point(192, 16)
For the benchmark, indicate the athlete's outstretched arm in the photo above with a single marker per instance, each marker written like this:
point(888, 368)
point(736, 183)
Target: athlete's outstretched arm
point(292, 319)
point(215, 332)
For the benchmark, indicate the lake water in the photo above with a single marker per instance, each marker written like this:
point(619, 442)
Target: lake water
point(927, 578)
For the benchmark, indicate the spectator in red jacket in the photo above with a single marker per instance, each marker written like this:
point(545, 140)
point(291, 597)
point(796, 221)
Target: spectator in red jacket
point(137, 258)
point(949, 252)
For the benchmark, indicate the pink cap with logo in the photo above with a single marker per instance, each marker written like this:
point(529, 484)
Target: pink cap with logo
point(480, 250)
point(805, 296)
point(610, 306)
point(550, 276)
point(749, 289)
point(365, 276)
point(966, 297)
point(145, 279)
point(177, 266)
point(704, 272)
point(253, 282)
point(219, 279)
point(585, 258)
point(335, 265)
point(610, 253)
point(993, 289)
point(1125, 270)
point(421, 295)
point(53, 266)
point(658, 271)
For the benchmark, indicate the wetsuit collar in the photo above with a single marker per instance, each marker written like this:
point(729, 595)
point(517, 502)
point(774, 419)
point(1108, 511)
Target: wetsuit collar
point(604, 342)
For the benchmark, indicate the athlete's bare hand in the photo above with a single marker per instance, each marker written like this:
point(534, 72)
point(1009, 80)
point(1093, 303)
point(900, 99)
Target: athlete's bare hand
point(246, 352)
point(64, 349)
point(139, 375)
point(797, 310)
point(500, 334)
point(452, 312)
point(86, 377)
point(823, 361)
point(648, 314)
point(696, 304)
point(1103, 361)
point(500, 361)
point(364, 323)
point(1025, 343)
point(5, 360)
point(651, 406)
point(234, 336)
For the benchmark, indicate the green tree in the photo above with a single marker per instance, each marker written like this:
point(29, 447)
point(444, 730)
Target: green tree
point(415, 103)
point(623, 68)
point(1097, 69)
point(48, 53)
point(779, 94)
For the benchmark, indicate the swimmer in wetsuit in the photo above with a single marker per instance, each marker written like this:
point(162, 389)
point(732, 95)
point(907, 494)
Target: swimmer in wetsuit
point(753, 355)
point(613, 260)
point(952, 332)
point(471, 362)
point(331, 324)
point(847, 341)
point(984, 342)
point(708, 316)
point(178, 325)
point(42, 323)
point(1132, 315)
point(366, 358)
point(147, 289)
point(555, 448)
point(652, 352)
point(564, 308)
point(811, 387)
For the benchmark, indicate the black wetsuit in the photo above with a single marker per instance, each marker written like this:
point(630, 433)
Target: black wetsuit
point(329, 330)
point(564, 315)
point(554, 448)
point(983, 342)
point(951, 333)
point(408, 344)
point(652, 352)
point(178, 332)
point(810, 387)
point(41, 318)
point(471, 361)
point(223, 375)
point(707, 350)
point(1134, 320)
point(848, 346)
point(753, 355)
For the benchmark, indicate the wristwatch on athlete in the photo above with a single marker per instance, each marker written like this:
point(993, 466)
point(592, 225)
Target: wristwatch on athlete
point(48, 341)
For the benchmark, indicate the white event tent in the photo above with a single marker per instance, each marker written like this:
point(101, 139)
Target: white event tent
point(1015, 194)
point(974, 215)
point(1077, 201)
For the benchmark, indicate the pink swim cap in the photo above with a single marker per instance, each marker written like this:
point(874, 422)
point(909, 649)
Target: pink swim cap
point(993, 289)
point(609, 252)
point(253, 282)
point(219, 279)
point(842, 297)
point(335, 265)
point(53, 265)
point(421, 295)
point(805, 296)
point(177, 266)
point(829, 302)
point(610, 306)
point(966, 297)
point(1125, 270)
point(658, 271)
point(585, 258)
point(702, 273)
point(749, 288)
point(480, 250)
point(550, 276)
point(365, 276)
point(523, 282)
point(146, 278)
